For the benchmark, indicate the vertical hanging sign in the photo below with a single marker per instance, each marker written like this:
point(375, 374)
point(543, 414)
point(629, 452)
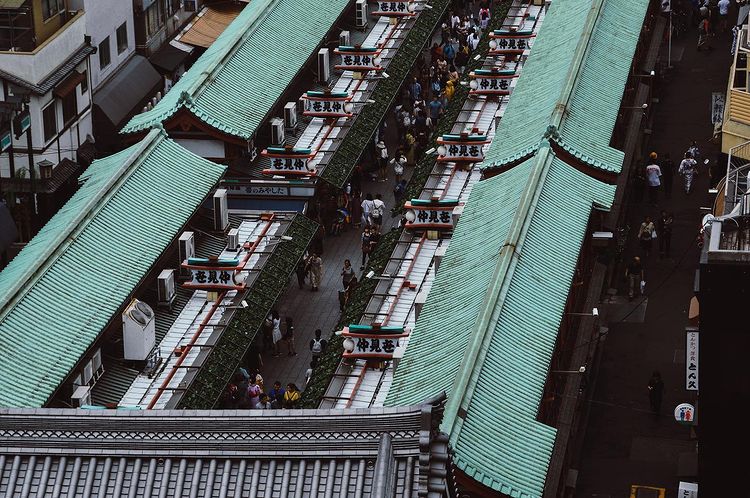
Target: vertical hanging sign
point(691, 359)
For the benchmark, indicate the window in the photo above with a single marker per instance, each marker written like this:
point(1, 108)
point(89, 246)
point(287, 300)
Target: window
point(49, 121)
point(122, 38)
point(51, 8)
point(154, 18)
point(104, 57)
point(70, 107)
point(85, 82)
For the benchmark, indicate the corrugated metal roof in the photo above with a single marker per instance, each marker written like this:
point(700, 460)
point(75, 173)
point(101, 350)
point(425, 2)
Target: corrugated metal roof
point(62, 289)
point(239, 68)
point(502, 297)
point(573, 81)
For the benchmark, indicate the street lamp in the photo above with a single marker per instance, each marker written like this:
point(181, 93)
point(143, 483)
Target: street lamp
point(581, 370)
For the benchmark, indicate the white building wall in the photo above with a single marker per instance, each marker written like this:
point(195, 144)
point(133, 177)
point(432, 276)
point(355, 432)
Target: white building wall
point(102, 20)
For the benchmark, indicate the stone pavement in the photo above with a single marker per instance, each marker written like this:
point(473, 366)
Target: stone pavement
point(625, 443)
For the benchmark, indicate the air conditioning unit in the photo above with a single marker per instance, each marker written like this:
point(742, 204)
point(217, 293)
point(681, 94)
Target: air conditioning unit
point(221, 213)
point(138, 331)
point(324, 66)
point(96, 364)
point(360, 16)
point(165, 288)
point(185, 249)
point(345, 39)
point(81, 397)
point(233, 239)
point(277, 131)
point(290, 115)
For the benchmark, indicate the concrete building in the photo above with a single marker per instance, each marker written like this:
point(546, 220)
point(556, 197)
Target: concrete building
point(46, 106)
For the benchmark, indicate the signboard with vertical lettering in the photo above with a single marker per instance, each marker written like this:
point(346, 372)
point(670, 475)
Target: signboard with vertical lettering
point(691, 360)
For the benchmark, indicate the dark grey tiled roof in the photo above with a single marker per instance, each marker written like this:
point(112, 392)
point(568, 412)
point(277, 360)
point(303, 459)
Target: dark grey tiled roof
point(381, 452)
point(55, 76)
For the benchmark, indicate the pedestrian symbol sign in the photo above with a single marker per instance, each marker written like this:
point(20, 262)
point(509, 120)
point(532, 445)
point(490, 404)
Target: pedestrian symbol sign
point(684, 413)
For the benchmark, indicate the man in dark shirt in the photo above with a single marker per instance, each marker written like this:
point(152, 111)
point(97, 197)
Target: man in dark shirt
point(634, 274)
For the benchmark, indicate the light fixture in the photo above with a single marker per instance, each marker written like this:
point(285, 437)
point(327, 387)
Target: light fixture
point(477, 57)
point(473, 84)
point(348, 107)
point(243, 305)
point(410, 7)
point(410, 216)
point(594, 312)
point(581, 369)
point(493, 44)
point(377, 60)
point(370, 274)
point(348, 344)
point(441, 150)
point(430, 151)
point(385, 75)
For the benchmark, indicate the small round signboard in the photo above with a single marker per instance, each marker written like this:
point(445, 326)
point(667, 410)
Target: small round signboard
point(684, 413)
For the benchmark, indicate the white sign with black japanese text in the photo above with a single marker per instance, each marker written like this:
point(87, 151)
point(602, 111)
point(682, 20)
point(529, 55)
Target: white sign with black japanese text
point(219, 278)
point(512, 44)
point(691, 361)
point(286, 164)
point(398, 8)
point(463, 152)
point(500, 86)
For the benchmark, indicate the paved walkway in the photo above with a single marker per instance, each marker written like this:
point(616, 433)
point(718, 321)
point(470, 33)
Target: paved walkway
point(625, 443)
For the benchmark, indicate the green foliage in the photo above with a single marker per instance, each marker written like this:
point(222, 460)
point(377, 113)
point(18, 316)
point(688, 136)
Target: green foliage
point(349, 151)
point(226, 355)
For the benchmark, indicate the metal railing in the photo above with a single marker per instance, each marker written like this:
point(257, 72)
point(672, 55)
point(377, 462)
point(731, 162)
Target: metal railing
point(736, 182)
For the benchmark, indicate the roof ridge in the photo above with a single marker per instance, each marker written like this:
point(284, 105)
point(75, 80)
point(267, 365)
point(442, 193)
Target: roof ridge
point(463, 389)
point(81, 219)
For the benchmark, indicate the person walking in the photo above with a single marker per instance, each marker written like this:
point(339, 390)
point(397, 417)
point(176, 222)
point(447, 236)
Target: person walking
point(347, 273)
point(398, 191)
point(665, 234)
point(378, 211)
point(267, 331)
point(366, 245)
point(315, 265)
point(253, 392)
point(317, 346)
point(646, 235)
point(634, 276)
point(291, 396)
point(276, 395)
point(667, 171)
point(655, 391)
point(276, 334)
point(301, 272)
point(653, 176)
point(382, 153)
point(398, 167)
point(289, 337)
point(366, 209)
point(688, 169)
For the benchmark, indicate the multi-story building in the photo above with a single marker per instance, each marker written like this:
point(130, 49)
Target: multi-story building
point(157, 20)
point(46, 106)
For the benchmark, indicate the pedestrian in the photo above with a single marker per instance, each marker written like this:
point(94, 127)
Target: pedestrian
point(366, 209)
point(356, 203)
point(634, 275)
point(308, 373)
point(688, 169)
point(646, 235)
point(653, 177)
point(315, 265)
point(317, 346)
point(349, 291)
point(276, 395)
point(472, 41)
point(695, 152)
point(667, 171)
point(276, 334)
point(377, 213)
point(436, 108)
point(398, 191)
point(237, 392)
point(289, 337)
point(484, 18)
point(382, 152)
point(462, 57)
point(665, 234)
point(291, 396)
point(264, 404)
point(366, 245)
point(723, 14)
point(415, 89)
point(704, 34)
point(267, 331)
point(449, 51)
point(409, 148)
point(398, 167)
point(655, 391)
point(347, 273)
point(301, 271)
point(253, 392)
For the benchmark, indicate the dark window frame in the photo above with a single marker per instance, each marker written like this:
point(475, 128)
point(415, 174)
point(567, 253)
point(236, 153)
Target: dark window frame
point(104, 54)
point(49, 134)
point(121, 34)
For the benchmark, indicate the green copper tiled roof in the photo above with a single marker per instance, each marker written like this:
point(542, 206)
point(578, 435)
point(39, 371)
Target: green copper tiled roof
point(574, 80)
point(64, 287)
point(488, 329)
point(234, 84)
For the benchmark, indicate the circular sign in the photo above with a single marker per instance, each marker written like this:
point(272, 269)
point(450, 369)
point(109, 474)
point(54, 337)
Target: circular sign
point(684, 412)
